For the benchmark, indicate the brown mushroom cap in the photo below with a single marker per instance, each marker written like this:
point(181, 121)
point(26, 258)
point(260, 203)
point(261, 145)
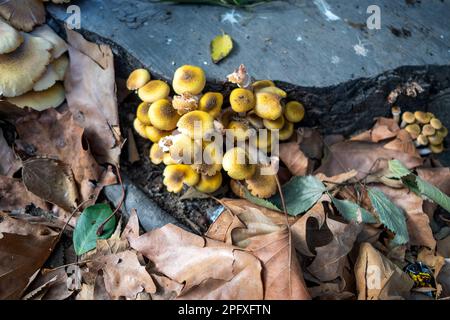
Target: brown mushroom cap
point(23, 14)
point(20, 69)
point(47, 33)
point(10, 38)
point(41, 100)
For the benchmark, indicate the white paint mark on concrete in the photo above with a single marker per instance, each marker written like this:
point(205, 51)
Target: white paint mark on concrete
point(169, 41)
point(442, 36)
point(231, 17)
point(299, 38)
point(335, 60)
point(360, 49)
point(324, 7)
point(205, 63)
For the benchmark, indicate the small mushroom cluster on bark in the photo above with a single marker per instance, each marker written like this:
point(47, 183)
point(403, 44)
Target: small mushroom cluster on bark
point(181, 126)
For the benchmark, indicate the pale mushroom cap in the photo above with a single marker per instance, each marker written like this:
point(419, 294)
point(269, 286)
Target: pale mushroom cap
point(154, 90)
point(154, 134)
point(47, 33)
point(195, 121)
point(137, 79)
point(408, 117)
point(436, 140)
point(156, 154)
point(436, 123)
point(268, 105)
point(23, 14)
point(437, 148)
point(428, 130)
point(422, 140)
point(236, 164)
point(41, 100)
point(422, 117)
point(20, 69)
point(242, 100)
point(139, 127)
point(47, 80)
point(262, 84)
point(177, 174)
point(274, 90)
point(60, 66)
point(10, 38)
point(413, 130)
point(190, 79)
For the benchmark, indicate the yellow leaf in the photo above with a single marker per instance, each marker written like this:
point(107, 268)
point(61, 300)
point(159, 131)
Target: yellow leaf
point(221, 47)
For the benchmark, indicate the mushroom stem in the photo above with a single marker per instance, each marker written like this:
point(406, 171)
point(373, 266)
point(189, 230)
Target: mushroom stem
point(396, 111)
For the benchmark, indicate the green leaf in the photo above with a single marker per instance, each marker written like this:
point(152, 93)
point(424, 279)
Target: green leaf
point(433, 193)
point(390, 215)
point(300, 194)
point(397, 169)
point(85, 233)
point(260, 202)
point(352, 211)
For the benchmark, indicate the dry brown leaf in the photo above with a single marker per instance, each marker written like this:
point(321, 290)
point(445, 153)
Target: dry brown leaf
point(432, 260)
point(14, 195)
point(311, 143)
point(282, 276)
point(222, 227)
point(209, 269)
point(331, 258)
point(443, 247)
point(91, 96)
point(444, 279)
point(131, 230)
point(330, 291)
point(294, 159)
point(9, 163)
point(384, 128)
point(55, 283)
point(167, 289)
point(377, 278)
point(417, 221)
point(403, 143)
point(24, 248)
point(23, 14)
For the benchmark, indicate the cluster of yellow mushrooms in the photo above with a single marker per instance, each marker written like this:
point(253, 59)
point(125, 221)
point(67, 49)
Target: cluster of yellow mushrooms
point(175, 123)
point(424, 128)
point(32, 66)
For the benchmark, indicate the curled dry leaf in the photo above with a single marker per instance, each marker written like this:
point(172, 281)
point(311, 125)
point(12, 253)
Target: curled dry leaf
point(9, 164)
point(53, 284)
point(377, 278)
point(91, 96)
point(14, 195)
point(294, 159)
point(384, 128)
point(26, 246)
point(209, 269)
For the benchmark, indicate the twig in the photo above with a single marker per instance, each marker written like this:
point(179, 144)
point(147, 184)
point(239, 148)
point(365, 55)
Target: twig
point(70, 264)
point(102, 226)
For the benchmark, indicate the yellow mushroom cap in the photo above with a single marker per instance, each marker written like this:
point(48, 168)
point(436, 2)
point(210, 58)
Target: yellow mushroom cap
point(408, 117)
point(209, 184)
point(142, 113)
point(196, 124)
point(262, 84)
point(190, 79)
point(185, 103)
point(436, 123)
point(41, 100)
point(154, 90)
point(156, 154)
point(422, 117)
point(435, 140)
point(287, 131)
point(236, 164)
point(413, 130)
point(294, 111)
point(154, 134)
point(274, 124)
point(239, 130)
point(162, 115)
point(139, 127)
point(183, 149)
point(437, 148)
point(428, 130)
point(274, 90)
point(262, 186)
point(20, 69)
point(242, 100)
point(254, 120)
point(211, 102)
point(137, 79)
point(268, 105)
point(10, 38)
point(177, 174)
point(443, 132)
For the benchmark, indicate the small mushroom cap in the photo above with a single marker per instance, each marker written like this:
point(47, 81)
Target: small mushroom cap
point(137, 79)
point(154, 90)
point(408, 117)
point(274, 90)
point(422, 117)
point(41, 100)
point(177, 174)
point(422, 140)
point(443, 132)
point(268, 106)
point(286, 132)
point(162, 115)
point(211, 102)
point(196, 124)
point(20, 69)
point(413, 130)
point(139, 127)
point(437, 148)
point(10, 38)
point(184, 149)
point(262, 84)
point(23, 14)
point(236, 164)
point(396, 110)
point(294, 111)
point(428, 130)
point(154, 134)
point(435, 139)
point(47, 33)
point(156, 154)
point(436, 123)
point(142, 113)
point(239, 130)
point(254, 120)
point(242, 100)
point(185, 103)
point(190, 79)
point(209, 184)
point(262, 186)
point(274, 124)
